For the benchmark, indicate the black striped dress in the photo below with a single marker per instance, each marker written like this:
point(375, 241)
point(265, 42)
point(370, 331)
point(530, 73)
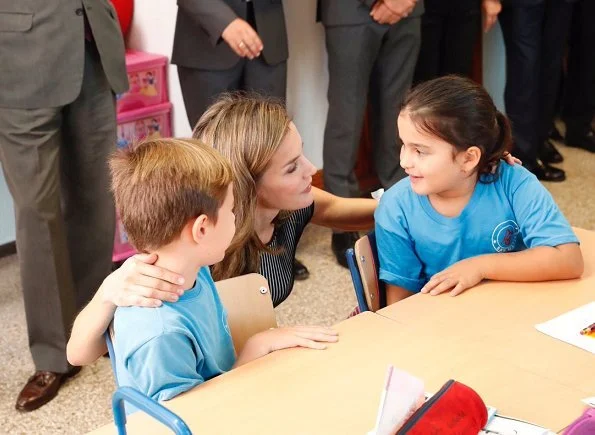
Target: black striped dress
point(278, 268)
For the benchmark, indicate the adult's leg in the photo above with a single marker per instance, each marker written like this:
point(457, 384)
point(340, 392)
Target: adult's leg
point(579, 101)
point(522, 27)
point(200, 88)
point(352, 51)
point(556, 25)
point(265, 79)
point(432, 34)
point(462, 31)
point(89, 138)
point(522, 30)
point(30, 144)
point(391, 79)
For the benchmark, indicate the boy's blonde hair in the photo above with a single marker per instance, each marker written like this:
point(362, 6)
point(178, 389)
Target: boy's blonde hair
point(161, 184)
point(248, 130)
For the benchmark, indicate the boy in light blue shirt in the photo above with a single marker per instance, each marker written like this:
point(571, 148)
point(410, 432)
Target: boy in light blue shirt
point(463, 215)
point(175, 199)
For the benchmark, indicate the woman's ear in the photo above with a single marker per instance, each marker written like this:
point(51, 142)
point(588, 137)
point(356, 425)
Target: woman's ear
point(470, 159)
point(199, 227)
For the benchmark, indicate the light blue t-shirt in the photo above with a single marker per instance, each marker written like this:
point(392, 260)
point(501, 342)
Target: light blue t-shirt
point(165, 351)
point(513, 213)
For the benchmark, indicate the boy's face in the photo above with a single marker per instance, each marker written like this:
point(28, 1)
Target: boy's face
point(225, 228)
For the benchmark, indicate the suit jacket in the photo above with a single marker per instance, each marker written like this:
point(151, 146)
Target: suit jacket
point(350, 12)
point(42, 50)
point(199, 24)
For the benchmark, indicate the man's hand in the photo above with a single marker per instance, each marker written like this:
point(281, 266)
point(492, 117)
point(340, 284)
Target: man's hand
point(242, 39)
point(490, 10)
point(456, 278)
point(381, 13)
point(401, 7)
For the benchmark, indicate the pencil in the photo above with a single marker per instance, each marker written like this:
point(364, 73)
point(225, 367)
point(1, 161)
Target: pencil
point(588, 329)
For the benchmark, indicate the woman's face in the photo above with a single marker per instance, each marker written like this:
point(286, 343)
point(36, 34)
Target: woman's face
point(287, 182)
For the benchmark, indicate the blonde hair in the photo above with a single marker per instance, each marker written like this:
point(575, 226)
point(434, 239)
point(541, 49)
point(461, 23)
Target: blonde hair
point(247, 129)
point(160, 184)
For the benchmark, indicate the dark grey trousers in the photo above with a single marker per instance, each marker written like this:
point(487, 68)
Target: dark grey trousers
point(368, 63)
point(200, 87)
point(55, 164)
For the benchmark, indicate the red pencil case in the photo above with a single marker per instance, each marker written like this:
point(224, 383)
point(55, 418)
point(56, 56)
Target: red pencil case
point(454, 410)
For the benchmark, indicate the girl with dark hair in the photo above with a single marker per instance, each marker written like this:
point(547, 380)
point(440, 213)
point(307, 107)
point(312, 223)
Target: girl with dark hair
point(461, 215)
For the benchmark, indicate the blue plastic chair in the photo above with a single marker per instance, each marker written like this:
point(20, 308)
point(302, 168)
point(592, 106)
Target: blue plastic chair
point(110, 349)
point(363, 265)
point(148, 405)
point(138, 399)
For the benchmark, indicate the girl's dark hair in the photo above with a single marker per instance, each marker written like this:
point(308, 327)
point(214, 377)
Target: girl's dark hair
point(462, 113)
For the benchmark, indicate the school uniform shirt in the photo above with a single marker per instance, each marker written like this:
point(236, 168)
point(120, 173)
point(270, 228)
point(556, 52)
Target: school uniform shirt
point(165, 351)
point(510, 214)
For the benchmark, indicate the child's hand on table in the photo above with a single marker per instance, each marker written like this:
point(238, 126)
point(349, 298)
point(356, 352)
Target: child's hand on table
point(456, 278)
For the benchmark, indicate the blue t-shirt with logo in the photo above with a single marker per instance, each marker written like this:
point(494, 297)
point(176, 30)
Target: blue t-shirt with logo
point(510, 214)
point(165, 351)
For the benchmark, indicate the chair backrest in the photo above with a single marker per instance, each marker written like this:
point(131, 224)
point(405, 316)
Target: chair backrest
point(363, 264)
point(249, 306)
point(109, 340)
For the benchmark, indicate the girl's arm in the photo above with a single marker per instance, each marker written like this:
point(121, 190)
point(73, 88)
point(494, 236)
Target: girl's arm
point(136, 283)
point(348, 214)
point(542, 263)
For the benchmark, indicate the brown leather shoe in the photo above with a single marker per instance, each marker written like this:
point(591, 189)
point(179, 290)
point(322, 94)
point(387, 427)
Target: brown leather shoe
point(41, 388)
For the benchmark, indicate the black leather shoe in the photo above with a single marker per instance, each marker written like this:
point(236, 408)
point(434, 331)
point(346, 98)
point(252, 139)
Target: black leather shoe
point(300, 272)
point(585, 141)
point(545, 172)
point(549, 154)
point(341, 242)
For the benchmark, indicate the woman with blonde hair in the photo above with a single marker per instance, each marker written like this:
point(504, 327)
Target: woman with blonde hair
point(274, 202)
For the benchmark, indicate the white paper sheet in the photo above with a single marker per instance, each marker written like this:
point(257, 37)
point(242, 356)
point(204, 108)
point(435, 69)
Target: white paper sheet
point(501, 425)
point(567, 327)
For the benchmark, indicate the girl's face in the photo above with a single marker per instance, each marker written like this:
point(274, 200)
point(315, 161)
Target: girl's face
point(286, 184)
point(433, 165)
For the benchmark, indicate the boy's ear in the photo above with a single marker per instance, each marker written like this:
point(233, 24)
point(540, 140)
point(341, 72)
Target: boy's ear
point(470, 158)
point(199, 227)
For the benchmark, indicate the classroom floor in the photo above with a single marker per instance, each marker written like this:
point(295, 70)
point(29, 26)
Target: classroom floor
point(325, 298)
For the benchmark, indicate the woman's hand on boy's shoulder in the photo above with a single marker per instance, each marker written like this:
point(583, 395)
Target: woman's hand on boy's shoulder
point(456, 278)
point(139, 283)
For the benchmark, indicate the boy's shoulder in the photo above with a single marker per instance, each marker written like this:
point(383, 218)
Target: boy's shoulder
point(135, 326)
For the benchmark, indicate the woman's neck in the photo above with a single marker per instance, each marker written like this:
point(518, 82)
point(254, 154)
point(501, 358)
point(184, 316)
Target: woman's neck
point(263, 222)
point(178, 261)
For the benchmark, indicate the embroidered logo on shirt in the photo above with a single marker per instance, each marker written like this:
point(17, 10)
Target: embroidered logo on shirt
point(504, 237)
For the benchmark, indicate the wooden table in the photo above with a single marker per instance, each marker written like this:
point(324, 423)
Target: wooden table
point(502, 316)
point(484, 338)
